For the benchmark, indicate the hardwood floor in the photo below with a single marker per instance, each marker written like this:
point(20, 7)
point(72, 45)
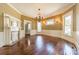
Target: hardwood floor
point(40, 45)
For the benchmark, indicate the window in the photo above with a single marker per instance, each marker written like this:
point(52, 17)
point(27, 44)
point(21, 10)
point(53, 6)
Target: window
point(14, 26)
point(68, 24)
point(50, 22)
point(39, 27)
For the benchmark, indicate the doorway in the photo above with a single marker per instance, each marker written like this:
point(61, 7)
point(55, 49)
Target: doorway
point(27, 28)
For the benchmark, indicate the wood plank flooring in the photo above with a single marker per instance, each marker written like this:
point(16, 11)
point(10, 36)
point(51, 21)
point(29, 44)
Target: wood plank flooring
point(40, 45)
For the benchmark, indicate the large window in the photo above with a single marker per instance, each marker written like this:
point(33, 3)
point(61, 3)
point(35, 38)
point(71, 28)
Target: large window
point(50, 22)
point(39, 27)
point(68, 24)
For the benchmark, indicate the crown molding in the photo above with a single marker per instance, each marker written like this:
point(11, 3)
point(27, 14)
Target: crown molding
point(60, 11)
point(17, 10)
point(14, 8)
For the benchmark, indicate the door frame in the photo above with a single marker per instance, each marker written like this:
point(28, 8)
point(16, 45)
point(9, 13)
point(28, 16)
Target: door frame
point(25, 22)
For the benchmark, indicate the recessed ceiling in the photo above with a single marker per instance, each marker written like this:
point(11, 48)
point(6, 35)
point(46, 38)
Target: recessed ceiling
point(31, 9)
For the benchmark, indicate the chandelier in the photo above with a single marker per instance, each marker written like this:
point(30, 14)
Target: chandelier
point(39, 17)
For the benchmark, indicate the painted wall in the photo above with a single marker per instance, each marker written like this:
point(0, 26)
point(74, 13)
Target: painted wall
point(1, 22)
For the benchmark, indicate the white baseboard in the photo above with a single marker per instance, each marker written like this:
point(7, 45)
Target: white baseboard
point(22, 33)
point(33, 32)
point(56, 33)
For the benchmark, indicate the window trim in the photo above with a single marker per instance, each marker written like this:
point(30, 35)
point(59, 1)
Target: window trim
point(70, 13)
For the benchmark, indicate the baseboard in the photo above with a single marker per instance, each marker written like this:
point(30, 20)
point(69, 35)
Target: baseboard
point(56, 33)
point(33, 32)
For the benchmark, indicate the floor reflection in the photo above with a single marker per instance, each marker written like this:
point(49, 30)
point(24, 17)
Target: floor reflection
point(50, 48)
point(29, 43)
point(68, 50)
point(39, 42)
point(42, 47)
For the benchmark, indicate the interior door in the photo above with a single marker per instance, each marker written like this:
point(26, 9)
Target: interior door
point(27, 27)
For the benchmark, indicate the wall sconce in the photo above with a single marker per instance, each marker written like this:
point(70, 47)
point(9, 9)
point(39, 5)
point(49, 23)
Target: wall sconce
point(44, 22)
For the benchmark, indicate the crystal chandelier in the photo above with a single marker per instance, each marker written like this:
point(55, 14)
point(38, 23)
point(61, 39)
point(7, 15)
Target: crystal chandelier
point(39, 17)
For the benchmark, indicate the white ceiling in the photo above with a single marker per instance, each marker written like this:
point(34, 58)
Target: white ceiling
point(31, 9)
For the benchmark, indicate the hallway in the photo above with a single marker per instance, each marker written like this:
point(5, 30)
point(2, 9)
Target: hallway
point(40, 45)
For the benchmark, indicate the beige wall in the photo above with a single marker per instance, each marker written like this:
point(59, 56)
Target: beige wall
point(1, 22)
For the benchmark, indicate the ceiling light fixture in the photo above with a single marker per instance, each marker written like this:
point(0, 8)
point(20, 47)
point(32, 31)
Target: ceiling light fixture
point(39, 17)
